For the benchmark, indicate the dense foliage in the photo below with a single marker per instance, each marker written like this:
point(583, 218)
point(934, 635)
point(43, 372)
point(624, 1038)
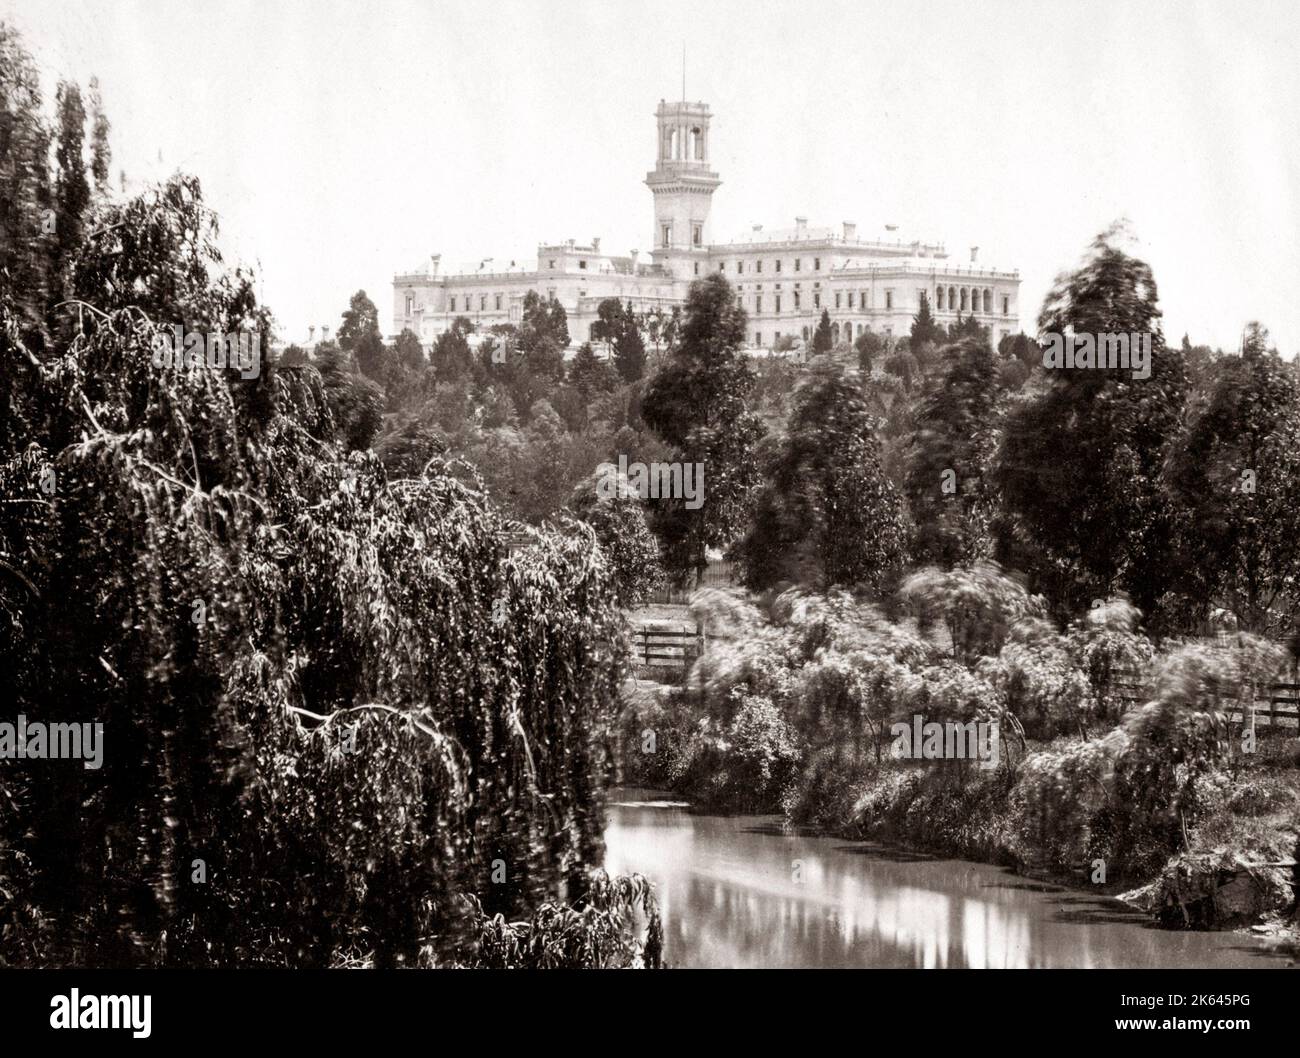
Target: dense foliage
point(334, 708)
point(795, 705)
point(697, 404)
point(954, 439)
point(1080, 462)
point(826, 513)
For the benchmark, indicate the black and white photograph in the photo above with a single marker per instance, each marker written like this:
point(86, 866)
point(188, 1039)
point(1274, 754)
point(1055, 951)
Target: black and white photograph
point(529, 485)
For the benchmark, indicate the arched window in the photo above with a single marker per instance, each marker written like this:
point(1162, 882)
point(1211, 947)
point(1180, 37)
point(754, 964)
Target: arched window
point(697, 144)
point(988, 300)
point(805, 334)
point(964, 296)
point(952, 299)
point(835, 334)
point(938, 299)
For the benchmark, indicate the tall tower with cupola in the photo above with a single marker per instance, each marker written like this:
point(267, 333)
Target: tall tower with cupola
point(682, 184)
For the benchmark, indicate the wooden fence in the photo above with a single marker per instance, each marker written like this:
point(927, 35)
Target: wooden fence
point(1283, 703)
point(1275, 704)
point(663, 652)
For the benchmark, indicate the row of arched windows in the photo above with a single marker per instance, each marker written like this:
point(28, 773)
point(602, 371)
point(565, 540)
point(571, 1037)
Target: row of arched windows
point(963, 299)
point(680, 144)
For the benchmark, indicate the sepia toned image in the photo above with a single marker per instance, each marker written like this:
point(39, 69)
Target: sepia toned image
point(516, 485)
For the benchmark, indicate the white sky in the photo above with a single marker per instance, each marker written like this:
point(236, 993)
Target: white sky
point(344, 141)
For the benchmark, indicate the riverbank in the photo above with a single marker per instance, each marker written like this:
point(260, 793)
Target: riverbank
point(1129, 766)
point(748, 891)
point(1237, 871)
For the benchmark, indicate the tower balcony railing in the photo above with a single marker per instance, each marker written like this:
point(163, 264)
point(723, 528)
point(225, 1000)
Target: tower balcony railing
point(690, 173)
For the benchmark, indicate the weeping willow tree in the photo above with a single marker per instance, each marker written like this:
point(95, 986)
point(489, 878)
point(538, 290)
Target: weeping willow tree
point(333, 708)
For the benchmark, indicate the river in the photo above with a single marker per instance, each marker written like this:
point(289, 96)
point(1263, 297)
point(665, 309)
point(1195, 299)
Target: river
point(739, 891)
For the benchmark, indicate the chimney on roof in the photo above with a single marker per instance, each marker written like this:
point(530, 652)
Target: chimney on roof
point(634, 257)
point(434, 260)
point(311, 333)
point(800, 227)
point(974, 254)
point(595, 245)
point(850, 230)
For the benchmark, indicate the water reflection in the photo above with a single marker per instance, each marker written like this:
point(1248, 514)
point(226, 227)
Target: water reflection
point(739, 892)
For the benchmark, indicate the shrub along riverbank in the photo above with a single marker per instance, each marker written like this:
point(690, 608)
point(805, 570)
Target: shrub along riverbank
point(793, 707)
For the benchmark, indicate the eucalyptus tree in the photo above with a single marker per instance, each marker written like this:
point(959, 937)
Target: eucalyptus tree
point(1079, 467)
point(827, 513)
point(954, 437)
point(1234, 477)
point(699, 404)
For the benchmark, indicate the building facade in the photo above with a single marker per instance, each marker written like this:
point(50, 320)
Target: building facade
point(783, 278)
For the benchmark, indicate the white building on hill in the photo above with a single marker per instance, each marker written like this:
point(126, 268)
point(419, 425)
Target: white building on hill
point(784, 278)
